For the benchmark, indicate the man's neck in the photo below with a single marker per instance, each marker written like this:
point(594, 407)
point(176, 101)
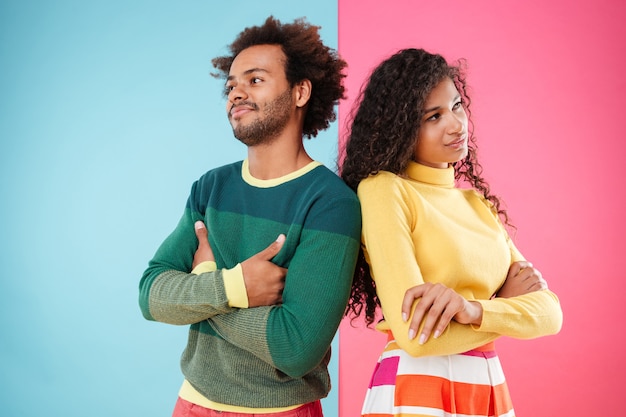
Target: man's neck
point(277, 159)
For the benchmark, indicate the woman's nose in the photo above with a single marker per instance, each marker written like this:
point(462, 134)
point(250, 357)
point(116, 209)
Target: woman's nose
point(457, 123)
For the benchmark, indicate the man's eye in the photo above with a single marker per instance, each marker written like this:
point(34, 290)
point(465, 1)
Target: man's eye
point(256, 80)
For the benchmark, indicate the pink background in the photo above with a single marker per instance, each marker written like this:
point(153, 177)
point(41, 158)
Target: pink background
point(548, 104)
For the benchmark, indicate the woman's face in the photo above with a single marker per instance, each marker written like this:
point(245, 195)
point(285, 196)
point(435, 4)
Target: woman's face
point(442, 136)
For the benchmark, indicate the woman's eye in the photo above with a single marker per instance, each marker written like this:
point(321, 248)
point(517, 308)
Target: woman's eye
point(433, 117)
point(457, 105)
point(256, 80)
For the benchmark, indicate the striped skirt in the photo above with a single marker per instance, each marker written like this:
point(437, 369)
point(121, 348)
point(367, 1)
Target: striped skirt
point(469, 384)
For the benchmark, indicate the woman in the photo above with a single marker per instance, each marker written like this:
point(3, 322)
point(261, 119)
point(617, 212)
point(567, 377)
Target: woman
point(436, 257)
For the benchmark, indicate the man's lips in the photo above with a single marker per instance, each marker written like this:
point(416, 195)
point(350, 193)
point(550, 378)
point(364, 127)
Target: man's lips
point(238, 111)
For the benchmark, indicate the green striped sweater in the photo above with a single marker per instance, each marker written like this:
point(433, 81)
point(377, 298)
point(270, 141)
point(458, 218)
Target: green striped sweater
point(273, 356)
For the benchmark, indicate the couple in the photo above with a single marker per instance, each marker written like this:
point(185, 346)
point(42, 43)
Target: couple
point(270, 250)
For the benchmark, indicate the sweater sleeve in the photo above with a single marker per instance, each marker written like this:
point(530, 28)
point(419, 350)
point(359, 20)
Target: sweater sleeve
point(526, 316)
point(294, 337)
point(388, 219)
point(168, 292)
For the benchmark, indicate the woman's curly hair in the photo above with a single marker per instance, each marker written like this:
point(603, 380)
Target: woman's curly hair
point(307, 58)
point(385, 121)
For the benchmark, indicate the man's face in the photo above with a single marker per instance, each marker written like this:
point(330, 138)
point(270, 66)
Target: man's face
point(260, 100)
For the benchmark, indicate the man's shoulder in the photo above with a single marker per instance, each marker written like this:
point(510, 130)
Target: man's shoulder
point(334, 207)
point(223, 171)
point(329, 180)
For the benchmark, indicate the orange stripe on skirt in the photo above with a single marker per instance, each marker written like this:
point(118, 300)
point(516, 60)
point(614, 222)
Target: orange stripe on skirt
point(469, 384)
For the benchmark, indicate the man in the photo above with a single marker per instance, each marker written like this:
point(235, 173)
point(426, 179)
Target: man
point(270, 285)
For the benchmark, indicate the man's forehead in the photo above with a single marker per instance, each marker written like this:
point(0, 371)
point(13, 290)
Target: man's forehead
point(266, 58)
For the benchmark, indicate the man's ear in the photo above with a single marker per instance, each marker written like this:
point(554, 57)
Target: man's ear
point(302, 91)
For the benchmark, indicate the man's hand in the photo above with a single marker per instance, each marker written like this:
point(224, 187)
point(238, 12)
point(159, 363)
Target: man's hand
point(264, 280)
point(204, 252)
point(521, 279)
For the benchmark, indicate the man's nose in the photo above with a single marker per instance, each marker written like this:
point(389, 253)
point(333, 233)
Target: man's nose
point(236, 93)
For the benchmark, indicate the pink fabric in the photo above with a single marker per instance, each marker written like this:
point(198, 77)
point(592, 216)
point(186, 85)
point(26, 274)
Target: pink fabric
point(386, 371)
point(184, 408)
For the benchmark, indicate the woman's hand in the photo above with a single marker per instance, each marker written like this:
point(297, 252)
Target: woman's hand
point(436, 306)
point(521, 279)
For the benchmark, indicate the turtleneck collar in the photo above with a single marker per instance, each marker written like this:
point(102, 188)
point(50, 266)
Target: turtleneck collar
point(442, 177)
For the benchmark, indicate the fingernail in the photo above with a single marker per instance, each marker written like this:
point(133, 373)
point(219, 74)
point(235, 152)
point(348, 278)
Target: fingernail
point(280, 238)
point(198, 225)
point(422, 339)
point(437, 334)
point(411, 334)
point(404, 317)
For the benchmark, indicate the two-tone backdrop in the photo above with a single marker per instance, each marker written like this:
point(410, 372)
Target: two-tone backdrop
point(108, 113)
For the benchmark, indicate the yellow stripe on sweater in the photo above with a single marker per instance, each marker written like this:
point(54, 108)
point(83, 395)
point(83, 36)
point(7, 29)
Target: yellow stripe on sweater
point(188, 392)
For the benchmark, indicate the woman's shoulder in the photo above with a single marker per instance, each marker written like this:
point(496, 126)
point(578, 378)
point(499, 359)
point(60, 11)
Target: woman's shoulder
point(381, 178)
point(382, 185)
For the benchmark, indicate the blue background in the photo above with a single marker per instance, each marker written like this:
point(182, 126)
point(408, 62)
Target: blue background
point(108, 113)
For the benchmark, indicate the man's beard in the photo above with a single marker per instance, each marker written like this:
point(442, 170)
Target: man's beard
point(264, 131)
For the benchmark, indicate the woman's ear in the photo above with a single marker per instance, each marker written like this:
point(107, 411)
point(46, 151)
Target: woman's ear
point(303, 92)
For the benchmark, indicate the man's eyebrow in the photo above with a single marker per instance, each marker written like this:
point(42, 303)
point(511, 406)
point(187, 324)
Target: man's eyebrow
point(247, 72)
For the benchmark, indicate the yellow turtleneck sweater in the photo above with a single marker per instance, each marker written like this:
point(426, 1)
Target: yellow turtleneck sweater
point(421, 228)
